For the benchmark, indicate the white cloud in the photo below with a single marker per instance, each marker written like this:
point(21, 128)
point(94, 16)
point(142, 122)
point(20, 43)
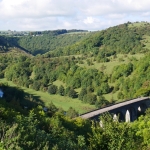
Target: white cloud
point(146, 14)
point(116, 16)
point(104, 7)
point(88, 20)
point(35, 8)
point(83, 14)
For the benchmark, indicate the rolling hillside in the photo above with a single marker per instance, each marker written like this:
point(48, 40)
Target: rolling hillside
point(97, 68)
point(50, 79)
point(124, 38)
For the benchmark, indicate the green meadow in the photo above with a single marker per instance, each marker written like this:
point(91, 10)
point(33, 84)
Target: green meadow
point(59, 101)
point(138, 24)
point(108, 66)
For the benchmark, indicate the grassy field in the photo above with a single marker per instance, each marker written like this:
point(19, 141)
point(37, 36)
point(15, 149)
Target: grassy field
point(58, 83)
point(138, 24)
point(120, 59)
point(59, 101)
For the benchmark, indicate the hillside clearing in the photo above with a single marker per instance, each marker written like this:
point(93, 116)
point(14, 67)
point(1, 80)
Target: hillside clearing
point(108, 66)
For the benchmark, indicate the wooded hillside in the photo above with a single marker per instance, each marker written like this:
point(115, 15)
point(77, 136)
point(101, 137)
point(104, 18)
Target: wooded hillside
point(94, 68)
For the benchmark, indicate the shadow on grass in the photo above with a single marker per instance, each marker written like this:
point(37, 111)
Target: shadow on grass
point(19, 97)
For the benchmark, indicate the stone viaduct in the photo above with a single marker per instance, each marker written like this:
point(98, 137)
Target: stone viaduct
point(126, 111)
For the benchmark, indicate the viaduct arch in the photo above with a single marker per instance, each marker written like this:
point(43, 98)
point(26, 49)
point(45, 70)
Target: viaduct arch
point(126, 111)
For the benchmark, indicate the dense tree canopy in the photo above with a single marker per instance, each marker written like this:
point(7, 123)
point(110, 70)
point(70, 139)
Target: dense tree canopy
point(36, 129)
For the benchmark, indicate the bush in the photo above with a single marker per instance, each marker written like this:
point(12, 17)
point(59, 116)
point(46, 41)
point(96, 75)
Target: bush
point(52, 89)
point(72, 93)
point(61, 90)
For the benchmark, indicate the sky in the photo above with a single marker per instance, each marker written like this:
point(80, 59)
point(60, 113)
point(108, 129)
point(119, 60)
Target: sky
point(92, 15)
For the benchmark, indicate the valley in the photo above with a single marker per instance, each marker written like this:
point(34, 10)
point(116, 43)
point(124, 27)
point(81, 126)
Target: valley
point(48, 79)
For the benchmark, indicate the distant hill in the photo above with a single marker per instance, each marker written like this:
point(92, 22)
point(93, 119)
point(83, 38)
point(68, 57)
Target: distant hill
point(125, 38)
point(8, 44)
point(42, 42)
